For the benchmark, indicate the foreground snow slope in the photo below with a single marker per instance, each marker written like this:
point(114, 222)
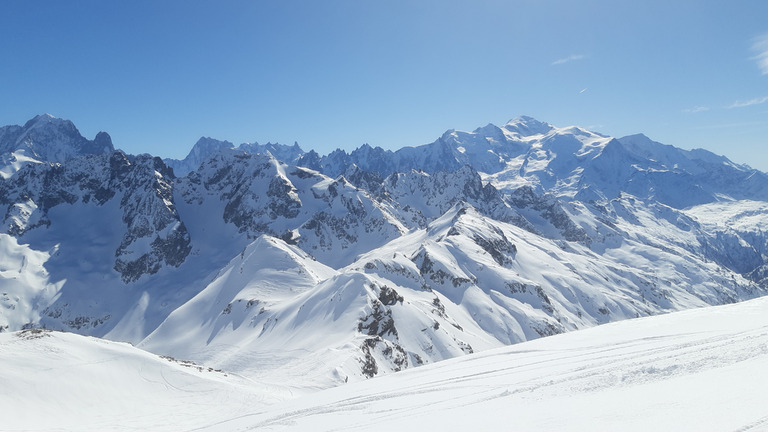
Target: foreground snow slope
point(62, 381)
point(703, 369)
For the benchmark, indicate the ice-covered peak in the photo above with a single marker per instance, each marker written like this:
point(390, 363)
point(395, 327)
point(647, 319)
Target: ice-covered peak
point(448, 135)
point(489, 130)
point(451, 216)
point(47, 121)
point(45, 127)
point(46, 138)
point(528, 126)
point(41, 119)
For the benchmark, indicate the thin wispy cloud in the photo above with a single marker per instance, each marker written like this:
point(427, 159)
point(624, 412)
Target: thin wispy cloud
point(696, 109)
point(569, 59)
point(742, 104)
point(760, 45)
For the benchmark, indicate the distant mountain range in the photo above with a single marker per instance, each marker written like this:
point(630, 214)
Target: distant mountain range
point(286, 266)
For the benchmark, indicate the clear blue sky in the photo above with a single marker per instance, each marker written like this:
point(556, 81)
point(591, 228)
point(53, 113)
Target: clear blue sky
point(157, 75)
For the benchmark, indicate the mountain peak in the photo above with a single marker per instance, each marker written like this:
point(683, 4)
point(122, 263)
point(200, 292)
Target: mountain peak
point(639, 137)
point(489, 130)
point(103, 139)
point(51, 139)
point(527, 126)
point(43, 117)
point(206, 146)
point(44, 120)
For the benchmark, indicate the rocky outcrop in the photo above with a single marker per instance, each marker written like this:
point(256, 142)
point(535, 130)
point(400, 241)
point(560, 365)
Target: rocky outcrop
point(154, 235)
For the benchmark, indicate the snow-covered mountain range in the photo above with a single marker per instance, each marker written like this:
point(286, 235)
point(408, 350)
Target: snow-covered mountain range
point(308, 271)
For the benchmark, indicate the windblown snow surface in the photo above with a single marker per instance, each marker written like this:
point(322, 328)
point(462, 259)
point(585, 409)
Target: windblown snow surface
point(700, 370)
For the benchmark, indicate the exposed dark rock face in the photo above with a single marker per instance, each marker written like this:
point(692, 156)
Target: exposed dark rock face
point(154, 235)
point(383, 342)
point(551, 210)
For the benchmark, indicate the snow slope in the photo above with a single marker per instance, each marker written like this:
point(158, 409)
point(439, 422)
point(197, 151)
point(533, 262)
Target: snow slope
point(25, 285)
point(464, 283)
point(66, 382)
point(737, 226)
point(703, 369)
point(223, 325)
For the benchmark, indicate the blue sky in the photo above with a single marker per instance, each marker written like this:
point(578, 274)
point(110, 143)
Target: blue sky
point(157, 75)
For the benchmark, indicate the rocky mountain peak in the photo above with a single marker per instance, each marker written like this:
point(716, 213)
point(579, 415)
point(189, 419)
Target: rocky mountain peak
point(104, 141)
point(46, 138)
point(206, 146)
point(46, 119)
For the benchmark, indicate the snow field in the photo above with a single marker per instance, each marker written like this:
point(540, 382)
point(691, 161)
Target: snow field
point(66, 382)
point(703, 370)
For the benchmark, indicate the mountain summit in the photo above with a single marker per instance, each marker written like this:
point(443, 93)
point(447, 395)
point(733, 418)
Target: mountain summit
point(527, 126)
point(46, 139)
